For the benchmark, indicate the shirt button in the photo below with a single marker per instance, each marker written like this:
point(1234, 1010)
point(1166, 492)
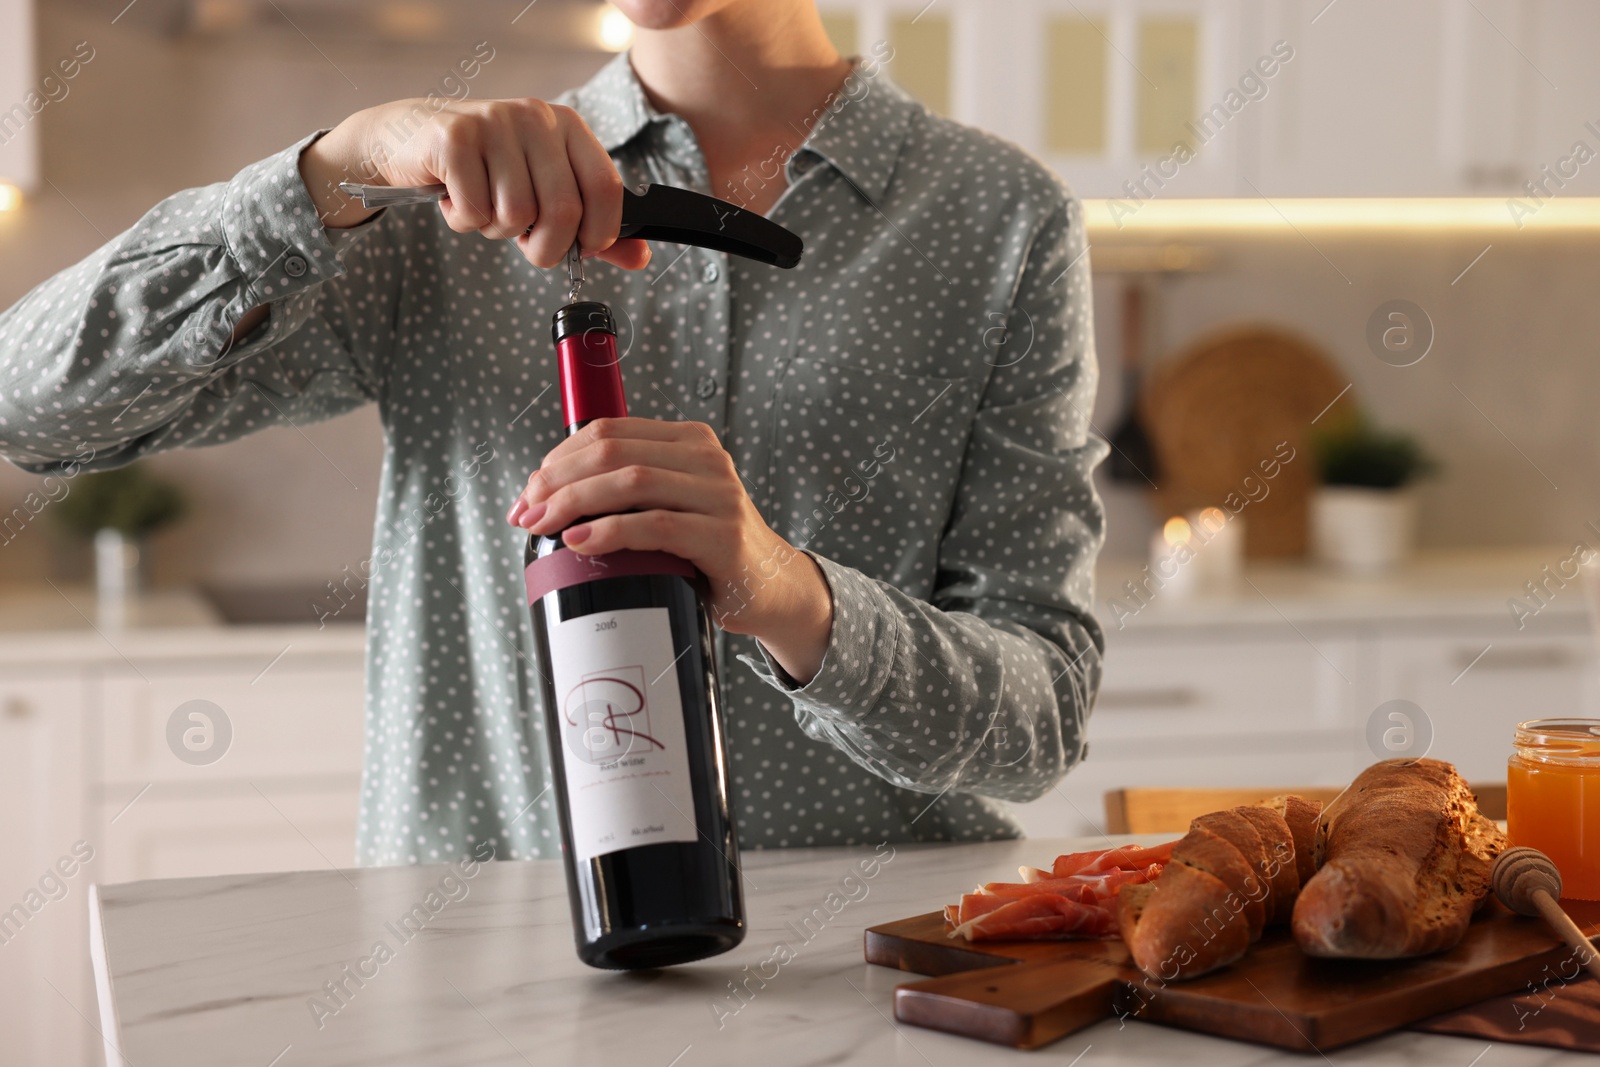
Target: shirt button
point(712, 273)
point(706, 386)
point(294, 266)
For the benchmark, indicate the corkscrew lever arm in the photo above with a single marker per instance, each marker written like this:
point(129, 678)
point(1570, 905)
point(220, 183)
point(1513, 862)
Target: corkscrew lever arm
point(660, 213)
point(682, 216)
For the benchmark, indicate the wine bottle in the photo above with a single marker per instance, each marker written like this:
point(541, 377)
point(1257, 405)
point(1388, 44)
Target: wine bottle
point(633, 718)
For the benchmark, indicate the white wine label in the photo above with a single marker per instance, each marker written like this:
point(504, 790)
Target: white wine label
point(622, 739)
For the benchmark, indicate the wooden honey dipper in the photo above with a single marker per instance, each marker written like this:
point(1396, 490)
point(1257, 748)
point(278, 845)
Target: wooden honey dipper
point(1527, 882)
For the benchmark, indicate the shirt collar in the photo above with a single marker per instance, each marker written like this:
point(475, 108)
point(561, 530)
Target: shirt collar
point(614, 105)
point(861, 131)
point(863, 128)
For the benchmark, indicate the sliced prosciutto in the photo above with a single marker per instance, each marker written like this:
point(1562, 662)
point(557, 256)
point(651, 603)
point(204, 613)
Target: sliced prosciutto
point(1127, 857)
point(1074, 899)
point(1039, 917)
point(1086, 888)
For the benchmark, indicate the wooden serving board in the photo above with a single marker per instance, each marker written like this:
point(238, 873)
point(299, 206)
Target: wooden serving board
point(1028, 994)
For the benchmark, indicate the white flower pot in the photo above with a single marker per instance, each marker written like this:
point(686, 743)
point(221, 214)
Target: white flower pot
point(1363, 531)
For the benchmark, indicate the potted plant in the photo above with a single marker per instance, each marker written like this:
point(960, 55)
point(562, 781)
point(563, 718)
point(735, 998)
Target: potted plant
point(1364, 515)
point(118, 510)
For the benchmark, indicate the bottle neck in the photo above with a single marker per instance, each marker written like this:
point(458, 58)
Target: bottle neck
point(591, 379)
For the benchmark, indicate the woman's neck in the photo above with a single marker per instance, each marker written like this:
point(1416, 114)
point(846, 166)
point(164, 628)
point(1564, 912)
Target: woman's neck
point(747, 79)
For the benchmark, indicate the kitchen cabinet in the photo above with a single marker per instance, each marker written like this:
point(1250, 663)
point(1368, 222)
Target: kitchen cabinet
point(1216, 706)
point(283, 796)
point(19, 96)
point(1476, 683)
point(86, 768)
point(43, 910)
point(1459, 98)
point(1274, 683)
point(1455, 98)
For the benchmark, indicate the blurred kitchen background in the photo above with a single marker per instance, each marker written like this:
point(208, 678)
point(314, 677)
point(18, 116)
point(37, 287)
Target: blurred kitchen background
point(1347, 241)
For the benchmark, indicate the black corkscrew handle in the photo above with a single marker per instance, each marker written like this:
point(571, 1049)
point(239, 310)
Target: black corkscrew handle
point(659, 213)
point(682, 216)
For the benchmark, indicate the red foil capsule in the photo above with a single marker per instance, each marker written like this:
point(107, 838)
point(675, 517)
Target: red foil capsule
point(586, 356)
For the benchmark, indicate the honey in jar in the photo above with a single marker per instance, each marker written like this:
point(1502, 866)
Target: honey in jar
point(1553, 798)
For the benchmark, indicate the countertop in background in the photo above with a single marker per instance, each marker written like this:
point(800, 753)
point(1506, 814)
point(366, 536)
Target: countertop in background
point(1437, 584)
point(44, 623)
point(53, 625)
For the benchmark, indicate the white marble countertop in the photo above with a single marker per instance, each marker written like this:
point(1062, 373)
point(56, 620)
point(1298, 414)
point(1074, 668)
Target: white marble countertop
point(1465, 585)
point(45, 625)
point(222, 971)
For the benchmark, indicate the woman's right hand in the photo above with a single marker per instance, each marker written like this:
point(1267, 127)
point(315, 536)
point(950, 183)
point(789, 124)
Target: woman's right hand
point(521, 169)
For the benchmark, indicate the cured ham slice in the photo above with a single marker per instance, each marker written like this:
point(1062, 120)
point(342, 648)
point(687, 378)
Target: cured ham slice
point(1044, 915)
point(1127, 857)
point(1085, 888)
point(1076, 898)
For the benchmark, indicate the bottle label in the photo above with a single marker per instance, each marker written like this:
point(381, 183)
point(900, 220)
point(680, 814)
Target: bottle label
point(622, 736)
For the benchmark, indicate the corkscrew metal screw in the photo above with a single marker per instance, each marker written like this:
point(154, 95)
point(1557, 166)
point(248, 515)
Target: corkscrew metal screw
point(575, 277)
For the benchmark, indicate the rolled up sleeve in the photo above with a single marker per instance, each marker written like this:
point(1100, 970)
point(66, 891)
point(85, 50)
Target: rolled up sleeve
point(130, 351)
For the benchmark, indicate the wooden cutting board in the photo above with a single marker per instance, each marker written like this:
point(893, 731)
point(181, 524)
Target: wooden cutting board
point(1028, 994)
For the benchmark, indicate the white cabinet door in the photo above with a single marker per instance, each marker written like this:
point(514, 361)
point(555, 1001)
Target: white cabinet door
point(1076, 806)
point(1216, 707)
point(1476, 684)
point(1361, 106)
point(46, 865)
point(1456, 98)
point(1449, 98)
point(221, 766)
point(1102, 90)
point(299, 717)
point(172, 833)
point(21, 95)
point(1561, 80)
point(1242, 683)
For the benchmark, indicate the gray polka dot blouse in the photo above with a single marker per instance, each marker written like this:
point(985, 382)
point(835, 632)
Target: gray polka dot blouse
point(910, 405)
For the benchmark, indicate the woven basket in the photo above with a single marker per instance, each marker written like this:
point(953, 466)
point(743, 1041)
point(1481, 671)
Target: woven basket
point(1227, 405)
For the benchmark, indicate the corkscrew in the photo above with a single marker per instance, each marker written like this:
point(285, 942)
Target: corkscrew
point(656, 213)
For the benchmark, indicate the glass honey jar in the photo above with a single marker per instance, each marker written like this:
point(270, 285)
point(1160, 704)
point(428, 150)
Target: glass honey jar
point(1553, 798)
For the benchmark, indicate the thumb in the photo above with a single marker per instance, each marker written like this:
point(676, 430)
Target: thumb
point(629, 253)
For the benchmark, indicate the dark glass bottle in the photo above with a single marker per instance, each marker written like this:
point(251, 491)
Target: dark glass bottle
point(634, 720)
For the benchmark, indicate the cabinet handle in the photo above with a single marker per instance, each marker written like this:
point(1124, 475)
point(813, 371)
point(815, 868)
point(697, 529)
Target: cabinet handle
point(17, 708)
point(1170, 698)
point(1539, 657)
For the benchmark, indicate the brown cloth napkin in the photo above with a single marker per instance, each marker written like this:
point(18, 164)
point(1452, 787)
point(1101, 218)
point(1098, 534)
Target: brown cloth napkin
point(1560, 1008)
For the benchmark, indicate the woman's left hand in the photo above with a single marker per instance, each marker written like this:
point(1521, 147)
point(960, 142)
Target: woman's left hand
point(671, 487)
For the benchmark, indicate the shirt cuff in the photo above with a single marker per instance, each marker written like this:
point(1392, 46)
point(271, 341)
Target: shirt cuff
point(276, 239)
point(857, 664)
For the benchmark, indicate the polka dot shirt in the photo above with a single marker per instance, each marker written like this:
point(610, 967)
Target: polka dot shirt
point(909, 405)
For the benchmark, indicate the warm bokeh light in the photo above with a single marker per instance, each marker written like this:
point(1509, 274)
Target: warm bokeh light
point(1211, 520)
point(616, 32)
point(221, 16)
point(411, 19)
point(10, 197)
point(1177, 531)
point(1110, 218)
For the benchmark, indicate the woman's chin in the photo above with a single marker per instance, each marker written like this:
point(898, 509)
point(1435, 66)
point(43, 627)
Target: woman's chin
point(668, 14)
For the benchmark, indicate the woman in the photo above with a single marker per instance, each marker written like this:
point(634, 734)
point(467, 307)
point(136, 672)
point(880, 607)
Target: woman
point(879, 459)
